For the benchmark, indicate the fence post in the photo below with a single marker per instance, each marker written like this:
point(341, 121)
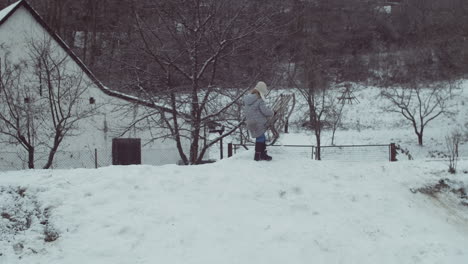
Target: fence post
point(229, 150)
point(393, 152)
point(221, 149)
point(95, 159)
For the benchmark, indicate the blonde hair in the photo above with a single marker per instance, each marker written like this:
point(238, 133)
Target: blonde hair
point(255, 91)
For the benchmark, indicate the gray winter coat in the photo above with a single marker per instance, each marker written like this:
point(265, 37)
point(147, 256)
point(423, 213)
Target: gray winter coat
point(256, 115)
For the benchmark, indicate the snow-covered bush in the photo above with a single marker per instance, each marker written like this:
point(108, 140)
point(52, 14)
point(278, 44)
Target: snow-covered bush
point(22, 217)
point(452, 144)
point(447, 186)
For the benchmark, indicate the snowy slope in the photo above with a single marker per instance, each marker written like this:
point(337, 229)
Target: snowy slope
point(368, 122)
point(291, 210)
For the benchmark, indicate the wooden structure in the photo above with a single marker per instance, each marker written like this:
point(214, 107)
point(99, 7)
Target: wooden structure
point(126, 151)
point(347, 95)
point(280, 120)
point(277, 123)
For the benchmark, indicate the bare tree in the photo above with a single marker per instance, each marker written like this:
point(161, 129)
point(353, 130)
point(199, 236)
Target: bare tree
point(18, 113)
point(42, 99)
point(420, 103)
point(326, 49)
point(452, 142)
point(417, 88)
point(309, 80)
point(62, 86)
point(190, 46)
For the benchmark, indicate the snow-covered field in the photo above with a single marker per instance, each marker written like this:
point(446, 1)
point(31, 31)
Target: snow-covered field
point(368, 122)
point(290, 210)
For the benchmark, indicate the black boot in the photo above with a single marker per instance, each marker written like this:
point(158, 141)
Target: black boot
point(258, 151)
point(264, 155)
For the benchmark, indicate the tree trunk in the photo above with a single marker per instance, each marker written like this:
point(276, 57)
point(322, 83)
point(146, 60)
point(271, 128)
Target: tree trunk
point(94, 12)
point(176, 124)
point(420, 135)
point(420, 138)
point(317, 139)
point(50, 159)
point(31, 158)
point(195, 112)
point(195, 144)
point(54, 149)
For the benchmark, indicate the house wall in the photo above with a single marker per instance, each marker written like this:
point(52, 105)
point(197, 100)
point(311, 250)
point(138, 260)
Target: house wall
point(97, 132)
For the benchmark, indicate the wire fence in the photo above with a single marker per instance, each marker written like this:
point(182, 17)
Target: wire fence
point(89, 158)
point(11, 161)
point(338, 153)
point(82, 159)
point(357, 153)
point(62, 160)
point(96, 158)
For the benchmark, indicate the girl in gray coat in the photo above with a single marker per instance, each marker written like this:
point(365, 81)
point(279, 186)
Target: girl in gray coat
point(256, 115)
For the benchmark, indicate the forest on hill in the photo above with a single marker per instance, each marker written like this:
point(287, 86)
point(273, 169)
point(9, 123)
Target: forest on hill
point(152, 45)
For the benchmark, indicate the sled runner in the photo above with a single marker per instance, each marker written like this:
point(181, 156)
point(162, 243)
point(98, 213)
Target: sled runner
point(279, 122)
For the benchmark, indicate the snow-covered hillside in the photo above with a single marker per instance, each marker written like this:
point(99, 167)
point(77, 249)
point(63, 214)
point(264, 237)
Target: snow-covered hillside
point(290, 210)
point(368, 122)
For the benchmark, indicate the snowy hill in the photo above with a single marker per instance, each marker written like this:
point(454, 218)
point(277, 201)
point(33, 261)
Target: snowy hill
point(368, 122)
point(291, 210)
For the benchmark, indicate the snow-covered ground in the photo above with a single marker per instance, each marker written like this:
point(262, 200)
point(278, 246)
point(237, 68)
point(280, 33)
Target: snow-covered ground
point(367, 122)
point(290, 210)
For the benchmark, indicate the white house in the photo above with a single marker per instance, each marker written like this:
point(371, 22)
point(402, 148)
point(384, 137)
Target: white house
point(21, 25)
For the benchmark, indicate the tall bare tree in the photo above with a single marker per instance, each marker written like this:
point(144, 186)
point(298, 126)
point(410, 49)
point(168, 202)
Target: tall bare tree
point(311, 82)
point(42, 99)
point(191, 45)
point(418, 83)
point(18, 111)
point(62, 86)
point(327, 50)
point(420, 103)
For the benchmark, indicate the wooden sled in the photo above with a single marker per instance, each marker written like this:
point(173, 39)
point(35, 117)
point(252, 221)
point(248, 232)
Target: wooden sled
point(279, 122)
point(275, 124)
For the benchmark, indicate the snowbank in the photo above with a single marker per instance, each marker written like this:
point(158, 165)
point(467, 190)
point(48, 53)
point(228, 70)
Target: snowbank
point(291, 210)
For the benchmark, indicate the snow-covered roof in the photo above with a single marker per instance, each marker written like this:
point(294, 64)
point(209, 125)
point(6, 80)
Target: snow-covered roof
point(4, 13)
point(10, 10)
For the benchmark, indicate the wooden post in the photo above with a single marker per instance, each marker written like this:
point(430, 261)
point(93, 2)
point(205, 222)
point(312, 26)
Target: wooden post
point(393, 152)
point(229, 150)
point(221, 148)
point(95, 159)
